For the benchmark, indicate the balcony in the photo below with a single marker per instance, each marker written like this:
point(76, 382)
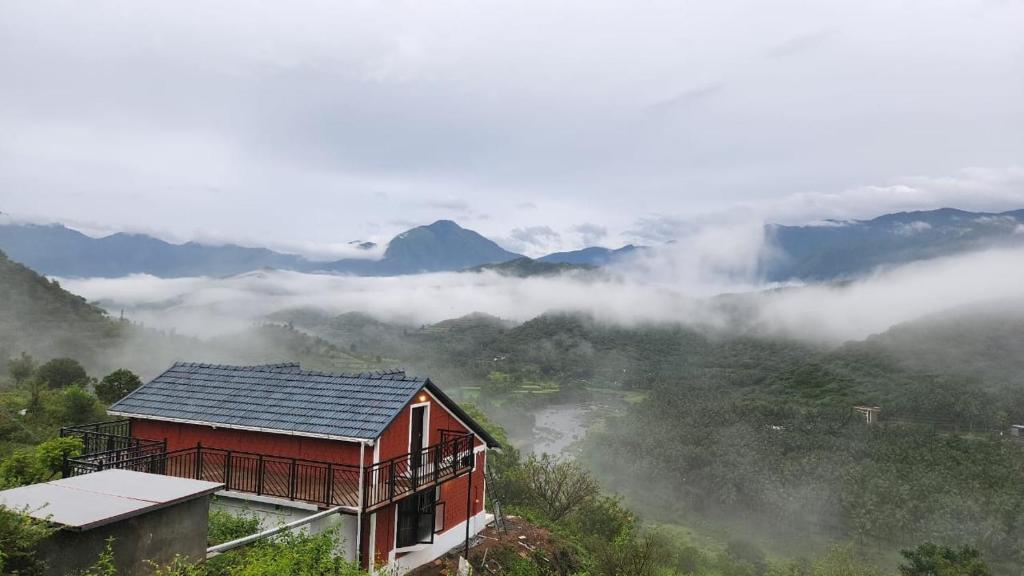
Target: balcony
point(325, 484)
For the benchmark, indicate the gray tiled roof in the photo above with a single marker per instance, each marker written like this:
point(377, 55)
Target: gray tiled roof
point(275, 397)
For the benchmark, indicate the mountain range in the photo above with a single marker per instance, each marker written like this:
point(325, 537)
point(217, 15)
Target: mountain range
point(444, 246)
point(835, 250)
point(826, 251)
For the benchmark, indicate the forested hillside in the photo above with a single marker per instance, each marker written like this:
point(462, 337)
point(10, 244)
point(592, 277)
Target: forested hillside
point(38, 317)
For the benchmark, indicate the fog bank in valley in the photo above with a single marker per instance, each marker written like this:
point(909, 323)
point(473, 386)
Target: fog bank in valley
point(653, 291)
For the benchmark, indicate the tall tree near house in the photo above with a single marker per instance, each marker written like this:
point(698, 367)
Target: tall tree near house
point(117, 385)
point(559, 486)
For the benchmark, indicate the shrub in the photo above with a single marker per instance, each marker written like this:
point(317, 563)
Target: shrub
point(225, 526)
point(39, 464)
point(19, 537)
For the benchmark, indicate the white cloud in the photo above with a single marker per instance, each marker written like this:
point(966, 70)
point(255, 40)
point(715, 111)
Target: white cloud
point(911, 228)
point(324, 122)
point(829, 314)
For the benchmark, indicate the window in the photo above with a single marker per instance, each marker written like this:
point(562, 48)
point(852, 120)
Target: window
point(416, 519)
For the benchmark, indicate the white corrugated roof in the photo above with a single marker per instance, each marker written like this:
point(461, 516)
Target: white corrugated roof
point(91, 500)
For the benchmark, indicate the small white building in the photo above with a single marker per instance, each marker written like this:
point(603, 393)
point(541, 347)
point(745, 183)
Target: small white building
point(151, 518)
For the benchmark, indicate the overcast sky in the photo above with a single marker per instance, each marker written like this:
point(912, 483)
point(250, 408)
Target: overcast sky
point(541, 124)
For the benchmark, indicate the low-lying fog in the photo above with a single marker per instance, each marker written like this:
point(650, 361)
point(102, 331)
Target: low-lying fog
point(638, 293)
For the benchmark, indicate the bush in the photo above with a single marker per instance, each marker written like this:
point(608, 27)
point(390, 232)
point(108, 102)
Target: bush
point(633, 555)
point(39, 464)
point(294, 553)
point(19, 537)
point(62, 372)
point(225, 526)
point(117, 385)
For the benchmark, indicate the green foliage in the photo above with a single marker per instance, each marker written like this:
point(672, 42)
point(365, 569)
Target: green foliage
point(19, 537)
point(295, 553)
point(32, 465)
point(843, 561)
point(555, 488)
point(225, 526)
point(74, 405)
point(933, 560)
point(117, 385)
point(104, 565)
point(644, 555)
point(758, 435)
point(62, 372)
point(21, 368)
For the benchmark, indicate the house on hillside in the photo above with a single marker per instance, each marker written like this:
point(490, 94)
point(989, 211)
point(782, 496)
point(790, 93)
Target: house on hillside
point(869, 413)
point(401, 461)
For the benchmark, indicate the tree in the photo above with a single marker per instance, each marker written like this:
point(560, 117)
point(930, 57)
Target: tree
point(117, 385)
point(62, 372)
point(556, 487)
point(933, 560)
point(20, 535)
point(21, 367)
point(75, 405)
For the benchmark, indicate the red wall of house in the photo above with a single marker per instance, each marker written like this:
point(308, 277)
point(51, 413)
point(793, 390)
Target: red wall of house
point(188, 435)
point(453, 494)
point(395, 442)
point(395, 439)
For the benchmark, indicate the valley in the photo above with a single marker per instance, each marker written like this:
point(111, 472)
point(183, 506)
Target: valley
point(732, 440)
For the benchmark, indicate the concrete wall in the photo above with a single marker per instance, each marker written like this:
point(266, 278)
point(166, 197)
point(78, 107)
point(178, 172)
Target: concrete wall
point(276, 511)
point(155, 536)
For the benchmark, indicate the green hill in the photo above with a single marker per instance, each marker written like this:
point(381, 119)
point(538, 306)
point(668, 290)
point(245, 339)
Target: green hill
point(39, 317)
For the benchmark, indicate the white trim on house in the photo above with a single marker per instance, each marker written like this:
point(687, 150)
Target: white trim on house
point(214, 425)
point(426, 425)
point(371, 548)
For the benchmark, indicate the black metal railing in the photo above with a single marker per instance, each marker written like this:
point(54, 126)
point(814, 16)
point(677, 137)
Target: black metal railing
point(321, 483)
point(107, 437)
point(104, 444)
point(406, 475)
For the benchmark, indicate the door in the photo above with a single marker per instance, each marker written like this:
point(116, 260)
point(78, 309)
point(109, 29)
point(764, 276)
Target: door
point(419, 415)
point(416, 519)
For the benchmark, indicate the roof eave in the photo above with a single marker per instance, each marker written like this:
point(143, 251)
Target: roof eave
point(367, 441)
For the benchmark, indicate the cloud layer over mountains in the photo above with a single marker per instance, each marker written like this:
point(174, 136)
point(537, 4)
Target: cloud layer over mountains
point(825, 313)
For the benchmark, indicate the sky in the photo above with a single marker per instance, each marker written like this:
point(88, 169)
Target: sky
point(543, 125)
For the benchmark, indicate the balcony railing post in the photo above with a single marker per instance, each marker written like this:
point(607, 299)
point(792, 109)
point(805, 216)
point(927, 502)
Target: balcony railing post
point(259, 474)
point(292, 480)
point(391, 481)
point(198, 461)
point(330, 484)
point(227, 470)
point(437, 463)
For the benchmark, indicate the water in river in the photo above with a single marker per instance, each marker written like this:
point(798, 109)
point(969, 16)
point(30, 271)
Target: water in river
point(558, 428)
